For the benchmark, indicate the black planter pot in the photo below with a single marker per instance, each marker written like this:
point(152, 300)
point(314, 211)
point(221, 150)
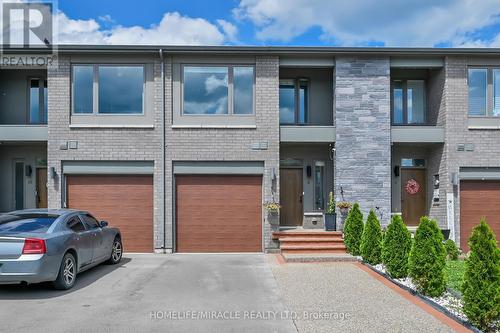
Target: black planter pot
point(331, 222)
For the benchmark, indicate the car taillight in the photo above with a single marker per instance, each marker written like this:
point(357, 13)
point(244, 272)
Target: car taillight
point(34, 246)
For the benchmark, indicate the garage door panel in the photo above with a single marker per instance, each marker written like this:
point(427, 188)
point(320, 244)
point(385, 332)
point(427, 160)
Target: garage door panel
point(124, 201)
point(478, 199)
point(219, 213)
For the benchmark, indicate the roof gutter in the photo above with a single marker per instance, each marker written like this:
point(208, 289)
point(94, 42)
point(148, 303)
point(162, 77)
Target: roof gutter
point(271, 50)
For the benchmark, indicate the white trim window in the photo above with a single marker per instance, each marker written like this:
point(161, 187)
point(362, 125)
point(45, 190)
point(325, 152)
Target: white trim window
point(108, 89)
point(218, 90)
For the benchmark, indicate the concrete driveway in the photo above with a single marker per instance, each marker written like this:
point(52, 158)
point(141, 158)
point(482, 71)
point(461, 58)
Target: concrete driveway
point(155, 293)
point(219, 293)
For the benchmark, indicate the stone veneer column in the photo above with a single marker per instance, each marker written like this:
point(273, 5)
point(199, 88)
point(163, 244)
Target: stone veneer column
point(363, 133)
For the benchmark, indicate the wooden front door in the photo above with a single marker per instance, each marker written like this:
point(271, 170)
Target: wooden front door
point(291, 193)
point(413, 195)
point(41, 188)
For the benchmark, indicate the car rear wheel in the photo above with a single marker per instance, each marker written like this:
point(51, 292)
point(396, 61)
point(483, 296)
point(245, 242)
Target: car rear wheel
point(67, 273)
point(116, 252)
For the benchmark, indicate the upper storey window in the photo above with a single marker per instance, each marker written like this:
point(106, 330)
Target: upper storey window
point(108, 89)
point(218, 90)
point(294, 102)
point(484, 92)
point(408, 102)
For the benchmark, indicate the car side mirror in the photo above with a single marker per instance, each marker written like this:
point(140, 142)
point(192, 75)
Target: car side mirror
point(104, 224)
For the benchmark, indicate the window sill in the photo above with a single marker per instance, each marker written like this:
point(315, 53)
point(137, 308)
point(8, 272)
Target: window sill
point(110, 126)
point(484, 127)
point(215, 126)
point(484, 123)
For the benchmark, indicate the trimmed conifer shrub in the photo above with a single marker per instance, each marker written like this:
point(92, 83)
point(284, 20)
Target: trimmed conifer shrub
point(353, 230)
point(451, 249)
point(428, 259)
point(371, 240)
point(481, 286)
point(396, 248)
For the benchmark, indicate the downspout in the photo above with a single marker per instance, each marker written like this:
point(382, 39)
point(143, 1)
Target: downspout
point(163, 150)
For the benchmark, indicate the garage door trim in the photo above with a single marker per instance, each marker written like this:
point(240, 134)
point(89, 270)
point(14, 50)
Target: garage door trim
point(219, 168)
point(108, 167)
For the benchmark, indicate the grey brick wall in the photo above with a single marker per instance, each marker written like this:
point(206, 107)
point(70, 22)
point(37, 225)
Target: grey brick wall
point(363, 139)
point(486, 142)
point(226, 144)
point(100, 144)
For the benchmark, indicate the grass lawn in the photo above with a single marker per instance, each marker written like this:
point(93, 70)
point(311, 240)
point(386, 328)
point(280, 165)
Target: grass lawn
point(455, 273)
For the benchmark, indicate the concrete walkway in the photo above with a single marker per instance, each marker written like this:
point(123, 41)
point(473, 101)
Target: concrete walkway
point(353, 299)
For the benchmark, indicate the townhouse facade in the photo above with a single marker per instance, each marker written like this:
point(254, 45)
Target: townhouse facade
point(182, 146)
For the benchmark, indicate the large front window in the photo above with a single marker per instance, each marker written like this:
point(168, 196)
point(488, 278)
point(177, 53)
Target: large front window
point(218, 90)
point(408, 102)
point(293, 101)
point(37, 101)
point(484, 92)
point(108, 89)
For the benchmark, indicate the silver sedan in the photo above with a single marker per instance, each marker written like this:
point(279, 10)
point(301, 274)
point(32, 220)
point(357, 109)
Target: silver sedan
point(39, 245)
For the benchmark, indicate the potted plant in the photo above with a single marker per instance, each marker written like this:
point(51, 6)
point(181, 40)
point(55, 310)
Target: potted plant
point(330, 215)
point(344, 207)
point(273, 209)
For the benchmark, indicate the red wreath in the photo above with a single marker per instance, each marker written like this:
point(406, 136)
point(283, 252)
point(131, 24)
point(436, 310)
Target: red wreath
point(412, 187)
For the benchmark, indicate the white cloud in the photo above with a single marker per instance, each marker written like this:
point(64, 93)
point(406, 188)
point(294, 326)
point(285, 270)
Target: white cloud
point(173, 29)
point(393, 22)
point(229, 29)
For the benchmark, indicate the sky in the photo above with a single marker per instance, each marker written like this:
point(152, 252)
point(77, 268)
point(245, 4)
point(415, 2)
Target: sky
point(401, 23)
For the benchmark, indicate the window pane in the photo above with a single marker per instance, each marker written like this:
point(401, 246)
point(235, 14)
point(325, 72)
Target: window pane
point(477, 91)
point(287, 104)
point(90, 221)
point(35, 101)
point(319, 199)
point(397, 103)
point(243, 90)
point(82, 89)
point(19, 174)
point(121, 89)
point(416, 101)
point(303, 96)
point(496, 92)
point(29, 224)
point(76, 225)
point(45, 102)
point(205, 90)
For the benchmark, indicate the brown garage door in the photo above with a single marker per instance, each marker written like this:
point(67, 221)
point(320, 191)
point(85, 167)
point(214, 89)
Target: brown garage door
point(219, 213)
point(125, 202)
point(478, 199)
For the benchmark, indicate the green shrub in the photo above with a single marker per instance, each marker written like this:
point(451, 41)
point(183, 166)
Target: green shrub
point(481, 286)
point(396, 248)
point(371, 240)
point(428, 259)
point(353, 230)
point(451, 249)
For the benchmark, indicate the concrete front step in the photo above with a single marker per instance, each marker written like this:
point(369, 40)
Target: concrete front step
point(313, 248)
point(306, 233)
point(300, 241)
point(318, 257)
